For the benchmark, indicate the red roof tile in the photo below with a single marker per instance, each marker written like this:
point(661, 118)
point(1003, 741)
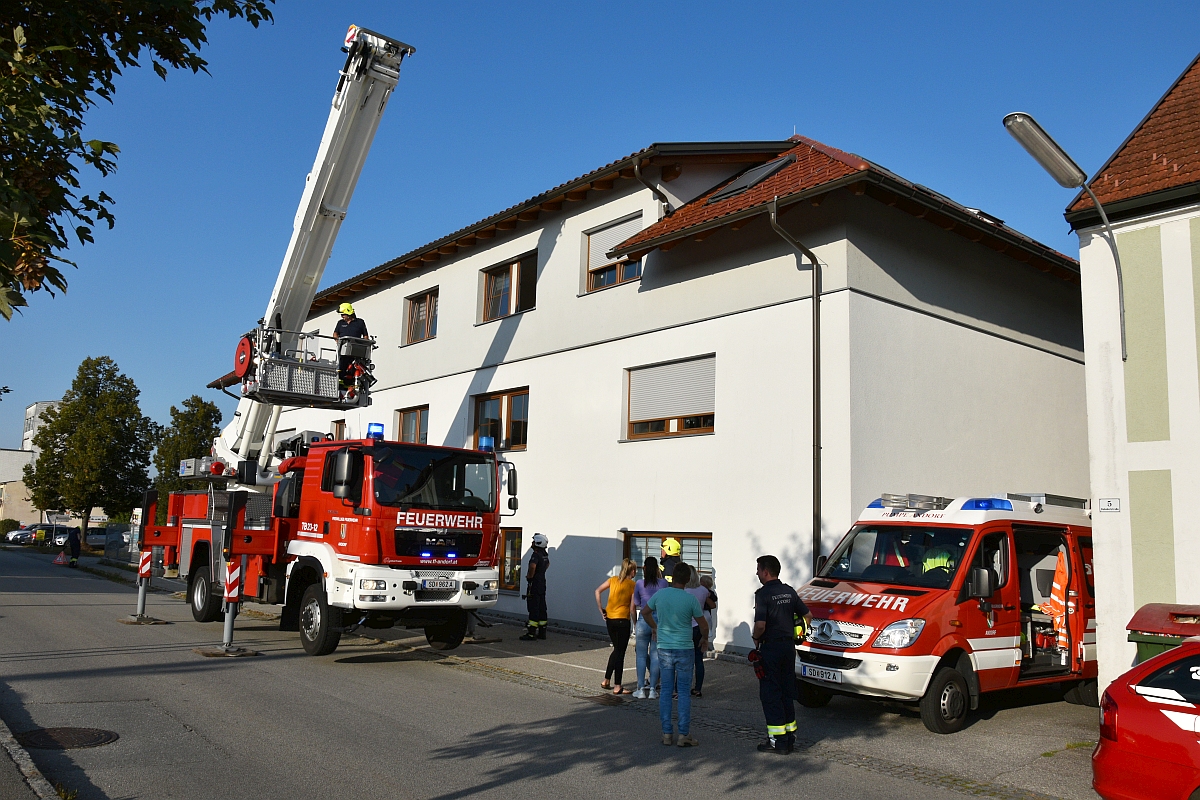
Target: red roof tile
point(1163, 152)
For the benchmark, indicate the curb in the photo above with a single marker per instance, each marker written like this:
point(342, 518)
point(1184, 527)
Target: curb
point(33, 776)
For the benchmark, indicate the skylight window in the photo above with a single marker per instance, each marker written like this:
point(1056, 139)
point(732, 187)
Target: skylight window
point(752, 177)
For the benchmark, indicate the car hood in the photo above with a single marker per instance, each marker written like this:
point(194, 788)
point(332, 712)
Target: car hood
point(866, 603)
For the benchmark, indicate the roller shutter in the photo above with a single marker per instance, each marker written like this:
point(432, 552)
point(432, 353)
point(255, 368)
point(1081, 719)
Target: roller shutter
point(605, 239)
point(678, 389)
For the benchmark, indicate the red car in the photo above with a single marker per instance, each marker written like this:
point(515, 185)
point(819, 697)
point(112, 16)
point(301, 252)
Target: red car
point(1149, 745)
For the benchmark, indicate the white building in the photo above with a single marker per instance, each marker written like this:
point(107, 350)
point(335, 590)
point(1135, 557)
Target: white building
point(669, 393)
point(33, 421)
point(1144, 413)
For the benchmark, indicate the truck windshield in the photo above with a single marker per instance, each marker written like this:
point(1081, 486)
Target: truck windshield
point(430, 477)
point(906, 555)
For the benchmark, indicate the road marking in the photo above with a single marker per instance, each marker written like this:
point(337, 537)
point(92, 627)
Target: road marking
point(537, 658)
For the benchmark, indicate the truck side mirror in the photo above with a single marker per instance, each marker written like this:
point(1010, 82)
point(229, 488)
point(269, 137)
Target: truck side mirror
point(512, 504)
point(512, 484)
point(979, 583)
point(821, 562)
point(347, 475)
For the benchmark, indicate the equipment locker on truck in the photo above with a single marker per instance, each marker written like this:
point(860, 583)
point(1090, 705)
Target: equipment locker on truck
point(934, 601)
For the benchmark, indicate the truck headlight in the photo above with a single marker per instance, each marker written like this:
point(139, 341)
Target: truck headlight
point(372, 584)
point(372, 598)
point(899, 634)
point(491, 586)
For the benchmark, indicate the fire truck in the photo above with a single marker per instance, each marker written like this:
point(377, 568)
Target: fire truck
point(934, 601)
point(342, 534)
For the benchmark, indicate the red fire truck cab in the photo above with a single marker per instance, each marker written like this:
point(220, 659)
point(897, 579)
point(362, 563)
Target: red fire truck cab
point(935, 601)
point(361, 532)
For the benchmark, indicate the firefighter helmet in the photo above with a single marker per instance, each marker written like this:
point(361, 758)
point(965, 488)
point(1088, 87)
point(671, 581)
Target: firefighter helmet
point(670, 546)
point(540, 540)
point(345, 308)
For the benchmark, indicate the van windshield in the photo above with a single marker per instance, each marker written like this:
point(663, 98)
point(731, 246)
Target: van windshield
point(904, 555)
point(430, 477)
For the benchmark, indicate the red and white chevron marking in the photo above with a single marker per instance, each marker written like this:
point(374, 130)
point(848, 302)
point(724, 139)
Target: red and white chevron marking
point(233, 581)
point(144, 565)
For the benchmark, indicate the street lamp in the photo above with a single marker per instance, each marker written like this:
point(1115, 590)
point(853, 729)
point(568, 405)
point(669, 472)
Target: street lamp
point(1063, 169)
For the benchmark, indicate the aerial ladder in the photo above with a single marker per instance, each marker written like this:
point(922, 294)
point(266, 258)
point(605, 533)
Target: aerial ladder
point(277, 364)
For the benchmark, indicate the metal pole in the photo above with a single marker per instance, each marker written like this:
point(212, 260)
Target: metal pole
point(143, 585)
point(773, 215)
point(1112, 243)
point(230, 613)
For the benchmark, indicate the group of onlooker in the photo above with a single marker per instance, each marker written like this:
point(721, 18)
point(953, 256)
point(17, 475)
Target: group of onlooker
point(674, 623)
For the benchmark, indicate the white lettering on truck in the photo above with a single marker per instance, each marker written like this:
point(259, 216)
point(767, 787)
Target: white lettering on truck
point(431, 519)
point(886, 601)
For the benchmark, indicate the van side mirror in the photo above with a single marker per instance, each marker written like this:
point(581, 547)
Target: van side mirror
point(512, 484)
point(821, 562)
point(979, 583)
point(347, 475)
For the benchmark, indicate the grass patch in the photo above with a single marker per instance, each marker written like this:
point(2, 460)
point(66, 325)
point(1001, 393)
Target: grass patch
point(65, 793)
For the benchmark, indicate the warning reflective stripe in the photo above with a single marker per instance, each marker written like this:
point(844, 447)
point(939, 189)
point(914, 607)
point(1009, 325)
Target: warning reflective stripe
point(790, 727)
point(776, 730)
point(144, 565)
point(233, 580)
point(994, 642)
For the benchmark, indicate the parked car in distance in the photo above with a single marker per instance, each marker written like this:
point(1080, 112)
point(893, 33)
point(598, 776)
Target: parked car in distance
point(19, 536)
point(1149, 718)
point(60, 536)
point(96, 537)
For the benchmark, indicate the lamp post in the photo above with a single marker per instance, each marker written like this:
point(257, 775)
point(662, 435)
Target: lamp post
point(1063, 169)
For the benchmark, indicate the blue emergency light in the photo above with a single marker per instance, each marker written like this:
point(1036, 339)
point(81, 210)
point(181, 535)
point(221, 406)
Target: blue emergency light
point(487, 444)
point(426, 555)
point(374, 430)
point(987, 504)
point(451, 555)
point(876, 503)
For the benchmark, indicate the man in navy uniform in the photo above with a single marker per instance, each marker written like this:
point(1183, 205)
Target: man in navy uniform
point(777, 609)
point(535, 589)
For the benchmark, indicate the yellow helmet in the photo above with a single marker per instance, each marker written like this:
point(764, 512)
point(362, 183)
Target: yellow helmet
point(345, 308)
point(671, 546)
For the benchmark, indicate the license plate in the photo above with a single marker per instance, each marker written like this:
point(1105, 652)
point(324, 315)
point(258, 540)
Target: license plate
point(821, 674)
point(438, 583)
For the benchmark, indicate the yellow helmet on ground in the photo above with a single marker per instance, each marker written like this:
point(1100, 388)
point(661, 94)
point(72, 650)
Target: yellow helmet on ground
point(345, 308)
point(671, 546)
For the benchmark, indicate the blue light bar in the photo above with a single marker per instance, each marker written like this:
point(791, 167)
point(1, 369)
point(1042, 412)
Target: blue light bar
point(374, 430)
point(426, 555)
point(987, 504)
point(876, 503)
point(487, 444)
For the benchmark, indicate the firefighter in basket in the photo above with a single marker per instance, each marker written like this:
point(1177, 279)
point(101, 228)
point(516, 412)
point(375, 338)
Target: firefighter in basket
point(535, 589)
point(351, 326)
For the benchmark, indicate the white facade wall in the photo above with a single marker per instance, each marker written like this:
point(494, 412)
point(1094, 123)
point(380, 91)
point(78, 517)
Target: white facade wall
point(741, 296)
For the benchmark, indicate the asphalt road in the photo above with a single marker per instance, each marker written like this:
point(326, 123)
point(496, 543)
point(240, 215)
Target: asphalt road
point(390, 719)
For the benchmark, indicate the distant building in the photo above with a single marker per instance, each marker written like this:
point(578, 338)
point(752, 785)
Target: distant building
point(33, 421)
point(14, 499)
point(1144, 413)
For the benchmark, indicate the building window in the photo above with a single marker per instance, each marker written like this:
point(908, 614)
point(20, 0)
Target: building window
point(510, 288)
point(504, 416)
point(695, 548)
point(604, 271)
point(422, 316)
point(338, 429)
point(510, 559)
point(673, 399)
point(413, 424)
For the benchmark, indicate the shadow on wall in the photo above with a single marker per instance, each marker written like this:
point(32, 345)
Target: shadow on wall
point(578, 564)
point(497, 352)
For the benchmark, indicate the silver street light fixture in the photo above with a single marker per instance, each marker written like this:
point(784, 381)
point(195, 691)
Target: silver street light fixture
point(1067, 173)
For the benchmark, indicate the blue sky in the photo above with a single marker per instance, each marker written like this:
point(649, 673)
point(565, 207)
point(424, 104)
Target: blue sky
point(504, 101)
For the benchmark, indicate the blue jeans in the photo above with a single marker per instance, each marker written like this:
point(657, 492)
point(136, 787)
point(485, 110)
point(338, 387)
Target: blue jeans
point(676, 667)
point(647, 651)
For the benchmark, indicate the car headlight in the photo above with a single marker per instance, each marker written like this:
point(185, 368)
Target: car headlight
point(372, 584)
point(899, 634)
point(491, 586)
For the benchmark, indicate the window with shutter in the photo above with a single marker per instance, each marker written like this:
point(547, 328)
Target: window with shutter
point(604, 271)
point(673, 399)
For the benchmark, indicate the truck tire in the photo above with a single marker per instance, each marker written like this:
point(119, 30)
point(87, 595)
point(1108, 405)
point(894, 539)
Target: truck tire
point(1083, 693)
point(320, 623)
point(206, 606)
point(449, 634)
point(946, 702)
point(811, 696)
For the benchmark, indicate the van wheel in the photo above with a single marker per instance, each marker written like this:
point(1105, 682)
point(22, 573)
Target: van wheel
point(1083, 693)
point(320, 623)
point(812, 696)
point(449, 634)
point(944, 706)
point(206, 606)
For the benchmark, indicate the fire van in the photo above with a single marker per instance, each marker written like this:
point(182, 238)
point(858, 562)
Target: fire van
point(935, 601)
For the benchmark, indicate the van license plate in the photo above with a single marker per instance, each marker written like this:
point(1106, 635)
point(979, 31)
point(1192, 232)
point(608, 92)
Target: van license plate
point(830, 675)
point(436, 583)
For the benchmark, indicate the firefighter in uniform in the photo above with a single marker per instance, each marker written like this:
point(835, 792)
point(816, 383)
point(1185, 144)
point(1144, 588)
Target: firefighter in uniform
point(349, 325)
point(535, 589)
point(73, 544)
point(778, 612)
point(670, 557)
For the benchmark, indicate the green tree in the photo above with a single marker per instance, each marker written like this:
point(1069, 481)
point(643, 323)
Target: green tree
point(190, 435)
point(57, 59)
point(95, 445)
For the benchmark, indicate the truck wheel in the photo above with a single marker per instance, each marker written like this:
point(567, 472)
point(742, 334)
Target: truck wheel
point(206, 606)
point(320, 623)
point(944, 706)
point(449, 634)
point(812, 696)
point(1083, 693)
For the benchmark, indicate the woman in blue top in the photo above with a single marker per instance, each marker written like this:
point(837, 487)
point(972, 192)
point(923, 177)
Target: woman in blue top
point(643, 643)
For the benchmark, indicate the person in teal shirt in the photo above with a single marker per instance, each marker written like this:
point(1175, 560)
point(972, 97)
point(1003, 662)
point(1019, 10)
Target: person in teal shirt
point(674, 609)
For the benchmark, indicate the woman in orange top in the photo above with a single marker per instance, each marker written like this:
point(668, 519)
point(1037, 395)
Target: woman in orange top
point(616, 618)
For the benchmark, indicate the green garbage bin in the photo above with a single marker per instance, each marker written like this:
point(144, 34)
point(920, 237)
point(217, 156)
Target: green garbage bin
point(1157, 627)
